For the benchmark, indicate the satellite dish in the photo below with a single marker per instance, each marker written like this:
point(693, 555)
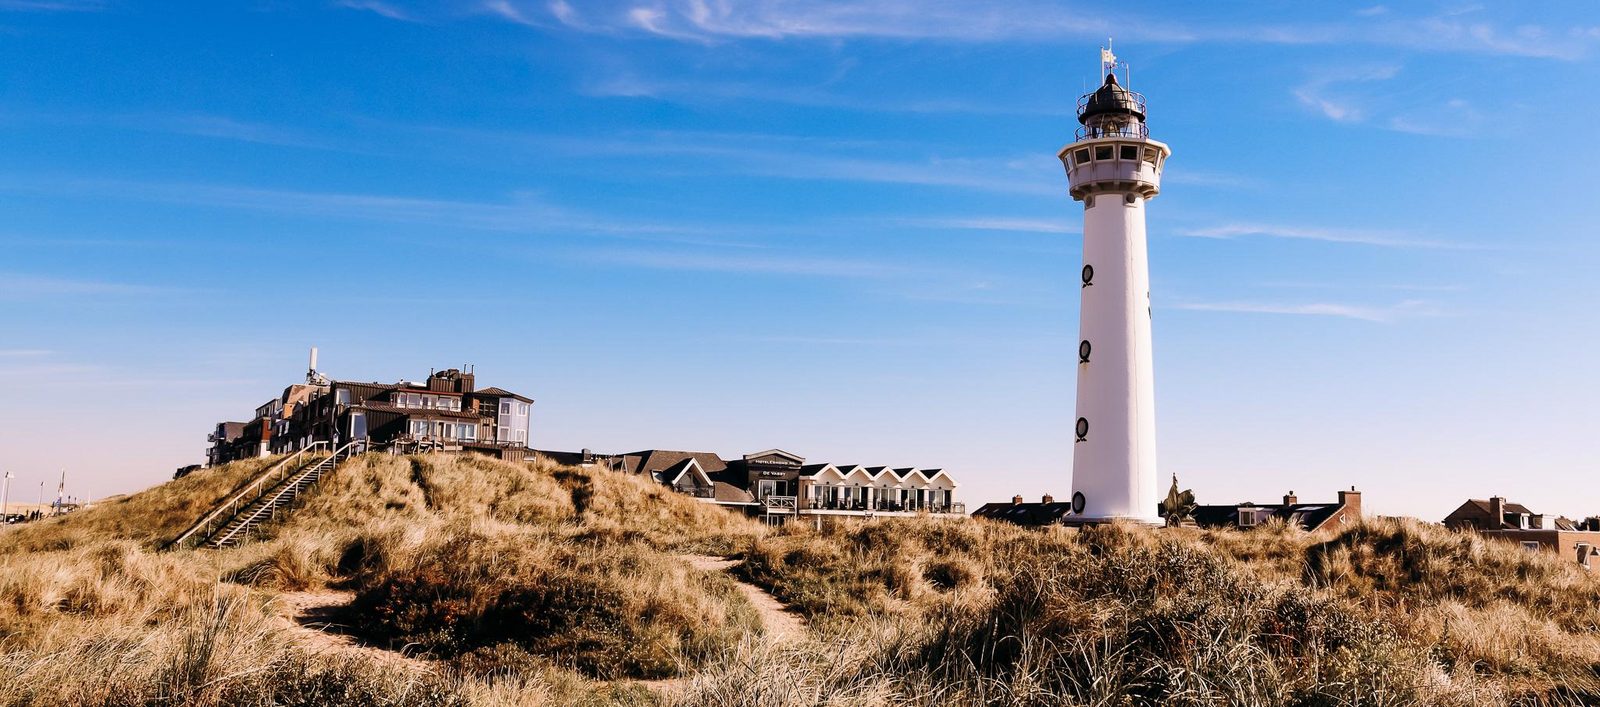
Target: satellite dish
point(1078, 501)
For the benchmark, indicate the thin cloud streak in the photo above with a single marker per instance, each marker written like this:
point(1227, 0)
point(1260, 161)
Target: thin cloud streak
point(996, 223)
point(750, 264)
point(18, 286)
point(1380, 315)
point(707, 23)
point(1383, 239)
point(526, 213)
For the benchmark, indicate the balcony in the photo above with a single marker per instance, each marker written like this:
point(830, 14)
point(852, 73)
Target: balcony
point(779, 502)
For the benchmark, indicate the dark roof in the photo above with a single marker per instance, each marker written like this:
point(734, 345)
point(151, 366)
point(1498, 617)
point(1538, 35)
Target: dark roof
point(1025, 513)
point(1510, 507)
point(494, 392)
point(813, 469)
point(1112, 98)
point(724, 492)
point(1309, 516)
point(651, 461)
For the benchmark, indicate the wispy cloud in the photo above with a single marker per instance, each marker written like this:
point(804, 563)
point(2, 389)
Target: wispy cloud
point(631, 85)
point(1036, 20)
point(1322, 92)
point(385, 9)
point(19, 286)
point(52, 5)
point(1386, 239)
point(508, 11)
point(523, 212)
point(1334, 94)
point(1379, 314)
point(995, 223)
point(800, 265)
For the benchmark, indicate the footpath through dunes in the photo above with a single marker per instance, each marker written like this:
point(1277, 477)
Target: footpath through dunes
point(487, 581)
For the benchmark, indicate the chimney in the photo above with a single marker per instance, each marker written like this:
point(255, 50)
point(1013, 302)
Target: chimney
point(1497, 512)
point(1016, 500)
point(1049, 499)
point(1352, 500)
point(1290, 499)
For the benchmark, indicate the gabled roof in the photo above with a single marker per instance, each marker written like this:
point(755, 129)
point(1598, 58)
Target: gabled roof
point(819, 469)
point(776, 453)
point(651, 461)
point(690, 466)
point(493, 392)
point(931, 474)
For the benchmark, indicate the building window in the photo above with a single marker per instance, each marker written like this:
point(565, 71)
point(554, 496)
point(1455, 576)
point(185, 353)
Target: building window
point(1530, 545)
point(505, 407)
point(467, 432)
point(1247, 517)
point(1088, 275)
point(1129, 152)
point(1102, 152)
point(1083, 428)
point(1082, 155)
point(522, 436)
point(419, 428)
point(522, 409)
point(1150, 155)
point(1083, 351)
point(342, 396)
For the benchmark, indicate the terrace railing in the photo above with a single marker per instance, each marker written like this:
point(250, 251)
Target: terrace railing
point(263, 482)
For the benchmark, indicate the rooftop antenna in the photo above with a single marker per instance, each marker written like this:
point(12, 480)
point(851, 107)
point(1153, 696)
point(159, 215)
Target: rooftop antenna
point(312, 376)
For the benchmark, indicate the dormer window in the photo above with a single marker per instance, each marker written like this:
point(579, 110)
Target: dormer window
point(1247, 517)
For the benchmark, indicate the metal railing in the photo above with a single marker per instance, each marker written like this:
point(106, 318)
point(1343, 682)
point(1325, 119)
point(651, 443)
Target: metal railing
point(251, 491)
point(1134, 130)
point(778, 502)
point(287, 493)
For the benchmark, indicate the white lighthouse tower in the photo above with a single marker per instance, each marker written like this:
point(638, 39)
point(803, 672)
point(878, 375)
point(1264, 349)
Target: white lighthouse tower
point(1114, 168)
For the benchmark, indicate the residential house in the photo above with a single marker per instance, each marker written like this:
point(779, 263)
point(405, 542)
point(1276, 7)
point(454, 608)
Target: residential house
point(780, 487)
point(1309, 516)
point(1048, 511)
point(1306, 516)
point(446, 413)
point(1514, 522)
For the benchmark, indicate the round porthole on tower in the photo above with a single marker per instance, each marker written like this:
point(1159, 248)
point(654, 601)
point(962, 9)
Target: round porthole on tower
point(1078, 502)
point(1083, 428)
point(1088, 275)
point(1083, 351)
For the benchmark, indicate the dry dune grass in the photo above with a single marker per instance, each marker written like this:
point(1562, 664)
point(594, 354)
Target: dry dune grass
point(92, 614)
point(536, 585)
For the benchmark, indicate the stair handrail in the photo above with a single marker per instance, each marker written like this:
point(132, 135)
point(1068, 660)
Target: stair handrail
point(255, 485)
point(331, 461)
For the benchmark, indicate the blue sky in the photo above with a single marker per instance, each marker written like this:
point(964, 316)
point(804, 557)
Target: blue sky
point(834, 228)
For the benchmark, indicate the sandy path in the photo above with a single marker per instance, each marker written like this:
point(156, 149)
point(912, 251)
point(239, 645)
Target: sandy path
point(313, 618)
point(781, 624)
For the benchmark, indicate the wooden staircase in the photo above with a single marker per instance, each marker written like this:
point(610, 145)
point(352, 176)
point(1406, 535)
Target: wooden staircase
point(271, 493)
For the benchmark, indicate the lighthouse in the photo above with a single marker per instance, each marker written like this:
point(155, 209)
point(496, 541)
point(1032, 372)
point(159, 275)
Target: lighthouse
point(1113, 167)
